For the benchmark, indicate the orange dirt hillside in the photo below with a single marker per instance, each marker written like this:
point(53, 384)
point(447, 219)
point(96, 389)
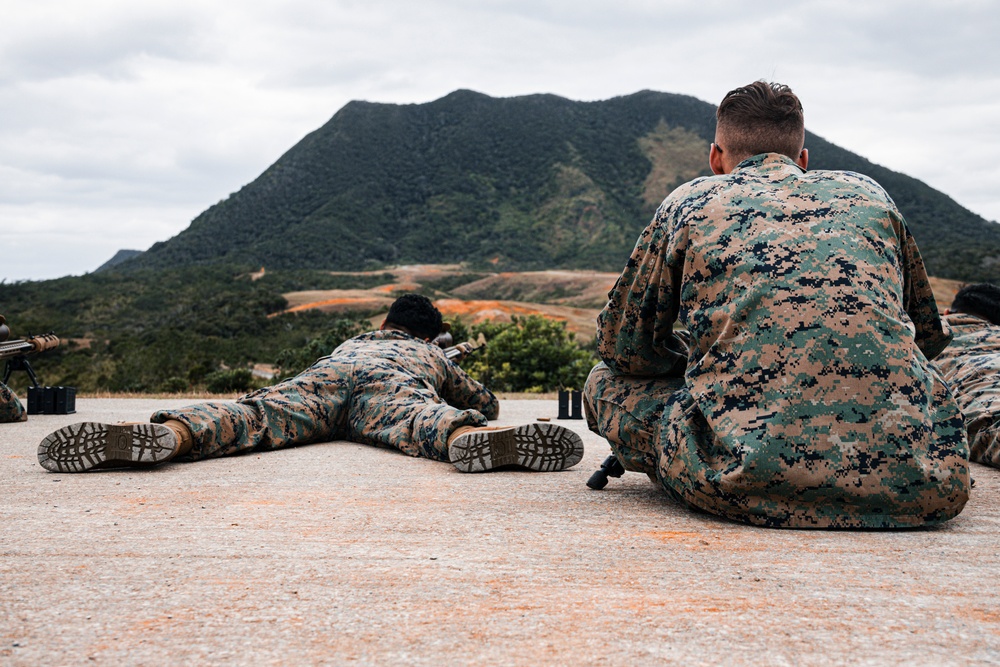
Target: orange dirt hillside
point(580, 321)
point(944, 291)
point(573, 297)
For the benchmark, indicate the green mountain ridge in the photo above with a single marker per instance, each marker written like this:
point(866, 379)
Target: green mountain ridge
point(516, 183)
point(488, 185)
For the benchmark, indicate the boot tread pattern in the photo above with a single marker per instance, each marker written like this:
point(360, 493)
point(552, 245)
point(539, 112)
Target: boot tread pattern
point(90, 445)
point(541, 447)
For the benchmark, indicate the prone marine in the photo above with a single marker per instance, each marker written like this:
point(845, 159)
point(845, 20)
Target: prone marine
point(389, 388)
point(971, 366)
point(11, 409)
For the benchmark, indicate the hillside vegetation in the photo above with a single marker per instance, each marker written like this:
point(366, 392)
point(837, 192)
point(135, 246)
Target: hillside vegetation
point(181, 329)
point(495, 208)
point(194, 329)
point(523, 183)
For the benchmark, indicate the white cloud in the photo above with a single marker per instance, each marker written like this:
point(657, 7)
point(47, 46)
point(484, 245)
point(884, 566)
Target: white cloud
point(58, 239)
point(126, 119)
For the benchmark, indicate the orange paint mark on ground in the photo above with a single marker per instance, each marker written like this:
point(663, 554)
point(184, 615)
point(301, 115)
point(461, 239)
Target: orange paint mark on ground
point(984, 615)
point(666, 535)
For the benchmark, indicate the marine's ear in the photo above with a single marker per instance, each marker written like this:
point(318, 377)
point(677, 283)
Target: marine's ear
point(803, 160)
point(715, 160)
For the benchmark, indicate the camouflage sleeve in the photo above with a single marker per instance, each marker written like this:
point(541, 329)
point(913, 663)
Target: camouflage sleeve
point(918, 299)
point(462, 392)
point(11, 409)
point(635, 329)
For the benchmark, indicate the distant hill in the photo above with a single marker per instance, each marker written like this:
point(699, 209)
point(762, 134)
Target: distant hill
point(119, 257)
point(525, 183)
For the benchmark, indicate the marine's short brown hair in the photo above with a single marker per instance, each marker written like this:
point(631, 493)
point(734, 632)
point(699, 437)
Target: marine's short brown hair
point(760, 118)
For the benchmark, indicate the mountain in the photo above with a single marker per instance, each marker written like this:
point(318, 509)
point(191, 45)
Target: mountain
point(533, 182)
point(119, 257)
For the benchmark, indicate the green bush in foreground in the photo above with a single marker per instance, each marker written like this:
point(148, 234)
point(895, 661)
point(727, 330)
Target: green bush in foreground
point(529, 354)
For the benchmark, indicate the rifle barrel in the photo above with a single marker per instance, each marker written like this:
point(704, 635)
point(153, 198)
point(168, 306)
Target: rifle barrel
point(15, 348)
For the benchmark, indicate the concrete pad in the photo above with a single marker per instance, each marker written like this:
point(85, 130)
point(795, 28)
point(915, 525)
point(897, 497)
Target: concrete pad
point(339, 553)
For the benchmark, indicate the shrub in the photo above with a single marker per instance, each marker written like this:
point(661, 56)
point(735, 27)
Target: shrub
point(174, 385)
point(228, 381)
point(529, 354)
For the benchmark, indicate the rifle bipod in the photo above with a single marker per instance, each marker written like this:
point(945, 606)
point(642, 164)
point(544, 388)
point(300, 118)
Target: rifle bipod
point(611, 467)
point(19, 364)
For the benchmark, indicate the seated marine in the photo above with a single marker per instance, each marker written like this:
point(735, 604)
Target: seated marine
point(803, 396)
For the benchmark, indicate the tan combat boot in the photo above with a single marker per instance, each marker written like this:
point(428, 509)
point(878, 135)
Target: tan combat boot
point(93, 445)
point(541, 447)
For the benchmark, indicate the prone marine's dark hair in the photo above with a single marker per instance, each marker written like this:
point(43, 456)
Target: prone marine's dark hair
point(980, 299)
point(761, 118)
point(416, 314)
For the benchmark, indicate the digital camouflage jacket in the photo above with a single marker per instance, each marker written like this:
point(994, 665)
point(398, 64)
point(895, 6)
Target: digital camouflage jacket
point(808, 399)
point(971, 366)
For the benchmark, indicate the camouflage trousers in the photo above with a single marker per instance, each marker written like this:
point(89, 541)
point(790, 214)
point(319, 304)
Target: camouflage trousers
point(984, 442)
point(627, 412)
point(11, 409)
point(369, 401)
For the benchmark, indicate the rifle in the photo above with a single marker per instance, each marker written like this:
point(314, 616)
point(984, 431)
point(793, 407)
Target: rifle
point(15, 352)
point(462, 350)
point(456, 353)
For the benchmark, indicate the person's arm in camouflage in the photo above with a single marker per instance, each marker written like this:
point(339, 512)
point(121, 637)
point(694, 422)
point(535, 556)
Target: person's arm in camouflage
point(462, 392)
point(11, 409)
point(918, 298)
point(635, 329)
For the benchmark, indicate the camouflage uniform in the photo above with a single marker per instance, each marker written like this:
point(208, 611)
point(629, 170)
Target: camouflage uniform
point(807, 399)
point(627, 411)
point(11, 409)
point(384, 388)
point(971, 366)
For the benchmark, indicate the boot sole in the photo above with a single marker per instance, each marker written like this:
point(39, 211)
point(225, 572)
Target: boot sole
point(93, 445)
point(540, 447)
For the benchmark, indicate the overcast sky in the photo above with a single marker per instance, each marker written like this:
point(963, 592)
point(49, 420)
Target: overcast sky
point(120, 120)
